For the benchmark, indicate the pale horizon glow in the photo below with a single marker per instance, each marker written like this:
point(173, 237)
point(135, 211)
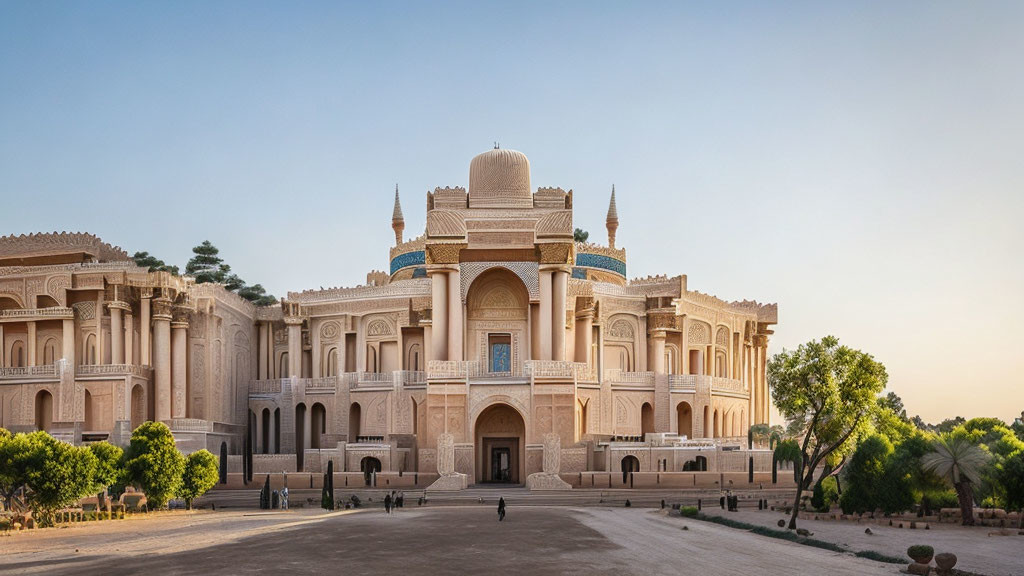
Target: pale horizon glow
point(859, 164)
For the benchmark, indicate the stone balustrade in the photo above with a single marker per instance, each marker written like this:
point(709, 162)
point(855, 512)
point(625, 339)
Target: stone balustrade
point(579, 371)
point(48, 371)
point(326, 385)
point(266, 387)
point(37, 313)
point(412, 377)
point(621, 378)
point(447, 369)
point(719, 384)
point(113, 370)
point(190, 425)
point(683, 381)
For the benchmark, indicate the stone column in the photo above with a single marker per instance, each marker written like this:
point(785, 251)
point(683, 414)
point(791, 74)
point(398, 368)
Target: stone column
point(439, 314)
point(68, 346)
point(179, 368)
point(145, 349)
point(658, 337)
point(3, 360)
point(129, 336)
point(559, 286)
point(257, 446)
point(307, 429)
point(116, 331)
point(545, 315)
point(262, 368)
point(684, 351)
point(271, 436)
point(294, 346)
point(584, 335)
point(161, 358)
point(31, 343)
point(454, 315)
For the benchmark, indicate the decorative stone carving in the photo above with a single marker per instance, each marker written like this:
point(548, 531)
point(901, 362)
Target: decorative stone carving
point(722, 337)
point(620, 329)
point(699, 333)
point(444, 253)
point(549, 479)
point(329, 331)
point(449, 479)
point(556, 253)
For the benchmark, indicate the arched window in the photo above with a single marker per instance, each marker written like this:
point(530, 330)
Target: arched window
point(90, 350)
point(282, 368)
point(44, 410)
point(49, 351)
point(17, 354)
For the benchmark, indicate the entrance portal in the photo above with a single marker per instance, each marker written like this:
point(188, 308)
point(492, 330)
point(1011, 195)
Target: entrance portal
point(369, 466)
point(500, 442)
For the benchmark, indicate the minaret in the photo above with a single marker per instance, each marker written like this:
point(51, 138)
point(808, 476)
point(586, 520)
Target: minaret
point(612, 221)
point(397, 220)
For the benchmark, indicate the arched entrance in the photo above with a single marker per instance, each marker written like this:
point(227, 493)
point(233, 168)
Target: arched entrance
point(318, 425)
point(500, 442)
point(369, 466)
point(630, 464)
point(44, 410)
point(497, 306)
point(646, 419)
point(684, 420)
point(354, 416)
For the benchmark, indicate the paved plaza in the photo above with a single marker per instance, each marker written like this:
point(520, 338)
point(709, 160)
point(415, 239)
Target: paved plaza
point(434, 540)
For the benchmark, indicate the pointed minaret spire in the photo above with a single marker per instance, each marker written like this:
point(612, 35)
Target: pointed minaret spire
point(397, 220)
point(612, 221)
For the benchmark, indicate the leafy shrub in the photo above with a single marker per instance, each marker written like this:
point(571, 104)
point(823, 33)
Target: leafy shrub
point(688, 511)
point(154, 464)
point(109, 471)
point(864, 473)
point(920, 551)
point(201, 473)
point(825, 494)
point(942, 499)
point(879, 557)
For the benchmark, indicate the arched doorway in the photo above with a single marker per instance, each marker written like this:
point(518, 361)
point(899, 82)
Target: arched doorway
point(277, 430)
point(706, 424)
point(223, 463)
point(684, 419)
point(90, 421)
point(646, 420)
point(44, 410)
point(369, 466)
point(355, 413)
point(500, 443)
point(630, 464)
point(265, 434)
point(318, 425)
point(300, 434)
point(497, 306)
point(138, 406)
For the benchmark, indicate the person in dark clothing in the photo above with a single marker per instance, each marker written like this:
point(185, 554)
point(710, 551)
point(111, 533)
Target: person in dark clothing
point(387, 503)
point(501, 509)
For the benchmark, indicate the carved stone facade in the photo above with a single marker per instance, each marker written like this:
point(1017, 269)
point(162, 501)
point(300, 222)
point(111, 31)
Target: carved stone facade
point(496, 348)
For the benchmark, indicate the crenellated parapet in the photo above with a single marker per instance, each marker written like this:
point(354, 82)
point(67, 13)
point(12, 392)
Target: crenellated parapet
point(57, 248)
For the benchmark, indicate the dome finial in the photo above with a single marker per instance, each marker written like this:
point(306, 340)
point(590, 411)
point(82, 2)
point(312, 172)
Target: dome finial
point(497, 146)
point(397, 219)
point(612, 221)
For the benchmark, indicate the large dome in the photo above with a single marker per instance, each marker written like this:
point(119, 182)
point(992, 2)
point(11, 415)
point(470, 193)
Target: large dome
point(500, 178)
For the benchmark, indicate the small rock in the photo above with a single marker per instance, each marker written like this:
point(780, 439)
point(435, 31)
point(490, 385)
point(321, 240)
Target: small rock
point(782, 523)
point(803, 532)
point(686, 527)
point(868, 531)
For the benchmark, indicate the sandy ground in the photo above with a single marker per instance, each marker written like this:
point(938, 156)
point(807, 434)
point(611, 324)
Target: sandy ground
point(442, 540)
point(976, 551)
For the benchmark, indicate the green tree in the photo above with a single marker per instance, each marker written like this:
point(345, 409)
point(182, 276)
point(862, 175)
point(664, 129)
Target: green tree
point(827, 392)
point(152, 263)
point(1018, 426)
point(16, 453)
point(1010, 474)
point(154, 464)
point(580, 235)
point(206, 265)
point(958, 460)
point(109, 469)
point(257, 295)
point(200, 475)
point(863, 474)
point(57, 474)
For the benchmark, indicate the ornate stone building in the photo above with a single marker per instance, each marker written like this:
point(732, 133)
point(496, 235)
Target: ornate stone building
point(495, 347)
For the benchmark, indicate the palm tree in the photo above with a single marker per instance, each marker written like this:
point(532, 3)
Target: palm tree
point(958, 460)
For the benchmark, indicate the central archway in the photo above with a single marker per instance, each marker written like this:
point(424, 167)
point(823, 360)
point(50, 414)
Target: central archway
point(500, 444)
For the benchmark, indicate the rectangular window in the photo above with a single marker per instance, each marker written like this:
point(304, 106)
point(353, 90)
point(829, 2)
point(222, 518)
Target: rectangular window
point(499, 347)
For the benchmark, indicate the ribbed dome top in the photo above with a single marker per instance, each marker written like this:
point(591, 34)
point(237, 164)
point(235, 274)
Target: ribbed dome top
point(500, 178)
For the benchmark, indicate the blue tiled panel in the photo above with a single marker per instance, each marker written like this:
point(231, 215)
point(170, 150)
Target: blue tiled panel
point(602, 262)
point(579, 273)
point(419, 272)
point(407, 259)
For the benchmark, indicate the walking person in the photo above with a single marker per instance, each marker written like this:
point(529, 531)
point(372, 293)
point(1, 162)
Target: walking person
point(501, 509)
point(387, 503)
point(284, 498)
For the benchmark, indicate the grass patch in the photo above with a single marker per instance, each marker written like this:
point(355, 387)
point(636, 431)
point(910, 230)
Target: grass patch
point(879, 557)
point(793, 537)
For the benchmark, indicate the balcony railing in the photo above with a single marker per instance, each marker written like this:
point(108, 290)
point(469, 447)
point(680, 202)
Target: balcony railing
point(447, 369)
point(412, 377)
point(50, 370)
point(113, 370)
point(326, 385)
point(579, 371)
point(190, 425)
point(683, 381)
point(726, 385)
point(629, 378)
point(55, 312)
point(266, 387)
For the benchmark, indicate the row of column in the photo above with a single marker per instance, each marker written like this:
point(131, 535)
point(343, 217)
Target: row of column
point(553, 286)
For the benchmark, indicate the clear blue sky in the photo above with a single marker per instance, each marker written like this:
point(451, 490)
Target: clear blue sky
point(858, 163)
